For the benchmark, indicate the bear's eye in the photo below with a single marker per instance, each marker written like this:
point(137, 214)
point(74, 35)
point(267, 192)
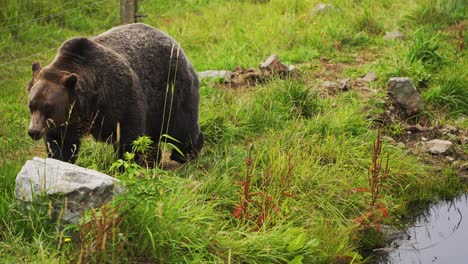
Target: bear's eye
point(30, 105)
point(48, 109)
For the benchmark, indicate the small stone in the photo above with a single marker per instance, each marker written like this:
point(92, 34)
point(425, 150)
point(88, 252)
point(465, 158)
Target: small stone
point(211, 74)
point(273, 64)
point(291, 68)
point(438, 147)
point(370, 77)
point(345, 84)
point(463, 140)
point(424, 138)
point(451, 136)
point(452, 129)
point(329, 85)
point(451, 159)
point(403, 92)
point(394, 35)
point(401, 145)
point(321, 8)
point(388, 139)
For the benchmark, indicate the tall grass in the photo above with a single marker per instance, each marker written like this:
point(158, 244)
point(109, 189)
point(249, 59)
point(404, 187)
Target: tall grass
point(188, 215)
point(437, 13)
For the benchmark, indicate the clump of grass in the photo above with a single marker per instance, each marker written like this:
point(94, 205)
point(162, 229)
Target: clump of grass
point(96, 155)
point(425, 49)
point(437, 13)
point(366, 22)
point(449, 92)
point(299, 98)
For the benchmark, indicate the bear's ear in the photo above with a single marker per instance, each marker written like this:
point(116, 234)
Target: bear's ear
point(69, 80)
point(36, 68)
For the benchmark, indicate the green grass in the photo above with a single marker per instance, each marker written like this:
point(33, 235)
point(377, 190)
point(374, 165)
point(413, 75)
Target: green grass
point(289, 127)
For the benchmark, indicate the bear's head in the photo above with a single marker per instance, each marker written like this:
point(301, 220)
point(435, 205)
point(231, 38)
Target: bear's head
point(50, 98)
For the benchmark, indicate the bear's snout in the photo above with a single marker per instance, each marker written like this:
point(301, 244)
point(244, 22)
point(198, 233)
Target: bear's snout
point(34, 134)
point(36, 127)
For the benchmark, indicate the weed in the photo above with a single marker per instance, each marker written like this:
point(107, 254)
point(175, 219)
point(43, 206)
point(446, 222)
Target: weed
point(259, 206)
point(377, 175)
point(99, 236)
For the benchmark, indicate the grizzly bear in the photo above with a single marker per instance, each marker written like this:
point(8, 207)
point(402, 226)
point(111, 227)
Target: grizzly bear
point(130, 81)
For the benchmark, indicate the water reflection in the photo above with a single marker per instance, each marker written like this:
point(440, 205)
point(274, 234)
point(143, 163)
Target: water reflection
point(440, 235)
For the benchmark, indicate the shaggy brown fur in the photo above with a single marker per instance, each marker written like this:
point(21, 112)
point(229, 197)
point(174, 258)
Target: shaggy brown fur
point(125, 75)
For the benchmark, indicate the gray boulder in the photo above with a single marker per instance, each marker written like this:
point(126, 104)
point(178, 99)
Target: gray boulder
point(438, 147)
point(402, 90)
point(71, 188)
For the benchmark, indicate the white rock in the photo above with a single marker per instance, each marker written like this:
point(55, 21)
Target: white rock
point(394, 35)
point(226, 75)
point(270, 61)
point(50, 178)
point(370, 77)
point(329, 85)
point(320, 8)
point(437, 146)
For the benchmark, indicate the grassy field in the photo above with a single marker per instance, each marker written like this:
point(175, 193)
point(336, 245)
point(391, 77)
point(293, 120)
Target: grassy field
point(303, 151)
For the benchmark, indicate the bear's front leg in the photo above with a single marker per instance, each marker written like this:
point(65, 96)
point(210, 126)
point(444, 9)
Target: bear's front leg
point(63, 144)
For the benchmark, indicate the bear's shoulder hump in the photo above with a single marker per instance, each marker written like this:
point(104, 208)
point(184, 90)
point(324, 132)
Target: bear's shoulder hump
point(78, 45)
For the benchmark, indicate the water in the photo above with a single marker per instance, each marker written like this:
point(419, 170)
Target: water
point(440, 235)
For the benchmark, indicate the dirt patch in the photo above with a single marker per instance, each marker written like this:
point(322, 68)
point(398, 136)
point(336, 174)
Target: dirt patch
point(272, 67)
point(167, 163)
point(413, 134)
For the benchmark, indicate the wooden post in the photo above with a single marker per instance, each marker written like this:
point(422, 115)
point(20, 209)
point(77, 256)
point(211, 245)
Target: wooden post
point(127, 11)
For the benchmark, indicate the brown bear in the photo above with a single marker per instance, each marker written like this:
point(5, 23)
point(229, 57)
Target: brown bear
point(130, 81)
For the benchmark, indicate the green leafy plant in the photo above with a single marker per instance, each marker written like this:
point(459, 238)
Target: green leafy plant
point(127, 167)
